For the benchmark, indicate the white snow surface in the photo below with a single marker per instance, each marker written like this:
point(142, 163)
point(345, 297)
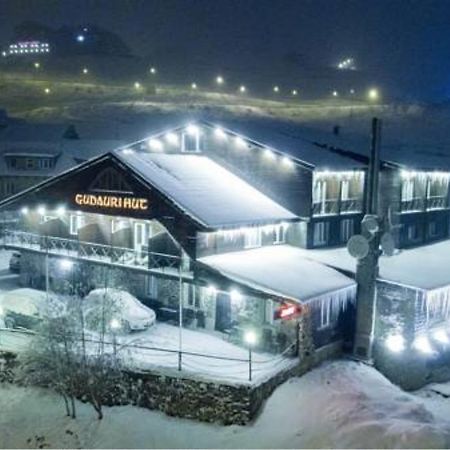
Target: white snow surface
point(206, 190)
point(426, 267)
point(341, 404)
point(281, 270)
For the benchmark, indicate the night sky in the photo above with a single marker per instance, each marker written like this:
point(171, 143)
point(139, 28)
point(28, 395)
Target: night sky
point(398, 42)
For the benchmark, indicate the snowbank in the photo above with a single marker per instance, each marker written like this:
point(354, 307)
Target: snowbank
point(341, 404)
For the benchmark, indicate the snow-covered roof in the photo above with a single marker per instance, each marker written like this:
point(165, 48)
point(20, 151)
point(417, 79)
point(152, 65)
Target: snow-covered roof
point(280, 270)
point(67, 153)
point(205, 190)
point(406, 267)
point(289, 138)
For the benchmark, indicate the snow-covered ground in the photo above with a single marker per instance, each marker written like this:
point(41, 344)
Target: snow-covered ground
point(341, 404)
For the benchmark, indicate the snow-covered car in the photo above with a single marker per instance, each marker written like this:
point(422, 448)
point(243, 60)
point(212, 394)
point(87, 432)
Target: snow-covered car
point(116, 310)
point(26, 308)
point(14, 262)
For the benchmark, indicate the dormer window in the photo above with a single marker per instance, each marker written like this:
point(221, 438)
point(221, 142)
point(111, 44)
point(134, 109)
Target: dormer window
point(191, 142)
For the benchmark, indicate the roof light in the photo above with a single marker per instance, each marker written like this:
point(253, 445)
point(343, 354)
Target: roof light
point(128, 151)
point(212, 290)
point(61, 210)
point(218, 132)
point(422, 344)
point(24, 210)
point(269, 153)
point(441, 336)
point(235, 296)
point(287, 161)
point(171, 138)
point(41, 210)
point(192, 129)
point(239, 141)
point(395, 343)
point(155, 144)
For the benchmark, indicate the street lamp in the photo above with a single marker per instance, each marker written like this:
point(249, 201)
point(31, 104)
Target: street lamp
point(194, 86)
point(251, 339)
point(219, 80)
point(85, 70)
point(137, 85)
point(242, 89)
point(37, 65)
point(153, 70)
point(276, 89)
point(373, 94)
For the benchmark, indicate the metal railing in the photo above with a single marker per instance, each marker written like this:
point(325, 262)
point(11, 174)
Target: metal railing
point(336, 206)
point(412, 204)
point(436, 202)
point(91, 251)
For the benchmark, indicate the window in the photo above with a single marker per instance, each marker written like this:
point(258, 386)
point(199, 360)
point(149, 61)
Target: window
point(190, 143)
point(76, 222)
point(347, 228)
point(413, 232)
point(345, 190)
point(110, 180)
point(321, 230)
point(320, 194)
point(45, 163)
point(432, 229)
point(252, 237)
point(325, 314)
point(279, 234)
point(408, 190)
point(118, 224)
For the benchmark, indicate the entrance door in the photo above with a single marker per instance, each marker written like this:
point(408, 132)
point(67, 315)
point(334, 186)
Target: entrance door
point(140, 236)
point(223, 312)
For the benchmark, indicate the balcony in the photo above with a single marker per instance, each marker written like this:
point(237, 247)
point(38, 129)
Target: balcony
point(336, 206)
point(436, 202)
point(141, 260)
point(412, 205)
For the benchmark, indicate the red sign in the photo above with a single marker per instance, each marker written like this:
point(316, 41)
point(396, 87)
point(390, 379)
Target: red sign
point(288, 311)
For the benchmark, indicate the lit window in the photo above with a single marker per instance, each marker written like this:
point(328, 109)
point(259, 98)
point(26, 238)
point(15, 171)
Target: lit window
point(347, 226)
point(76, 222)
point(252, 237)
point(279, 234)
point(321, 231)
point(408, 190)
point(190, 142)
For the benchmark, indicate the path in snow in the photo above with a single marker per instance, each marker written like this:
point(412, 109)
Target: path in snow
point(340, 404)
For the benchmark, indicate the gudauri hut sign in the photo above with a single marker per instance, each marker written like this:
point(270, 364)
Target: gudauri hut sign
point(101, 201)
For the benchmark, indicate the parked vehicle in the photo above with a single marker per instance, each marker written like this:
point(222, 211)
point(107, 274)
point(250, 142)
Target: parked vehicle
point(26, 308)
point(116, 310)
point(14, 262)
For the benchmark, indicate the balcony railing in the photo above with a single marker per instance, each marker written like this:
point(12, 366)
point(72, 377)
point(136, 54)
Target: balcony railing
point(413, 204)
point(437, 202)
point(105, 254)
point(336, 206)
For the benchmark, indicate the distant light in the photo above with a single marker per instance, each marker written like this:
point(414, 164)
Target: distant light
point(276, 89)
point(192, 129)
point(335, 93)
point(155, 144)
point(114, 324)
point(37, 65)
point(127, 151)
point(194, 86)
point(24, 210)
point(269, 153)
point(287, 161)
point(47, 90)
point(66, 264)
point(218, 132)
point(395, 343)
point(250, 337)
point(171, 138)
point(80, 38)
point(219, 80)
point(373, 94)
point(137, 85)
point(294, 92)
point(152, 70)
point(441, 336)
point(41, 210)
point(3, 53)
point(352, 91)
point(422, 343)
point(85, 70)
point(242, 89)
point(61, 211)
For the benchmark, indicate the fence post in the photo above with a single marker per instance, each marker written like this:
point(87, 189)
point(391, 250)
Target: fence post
point(179, 359)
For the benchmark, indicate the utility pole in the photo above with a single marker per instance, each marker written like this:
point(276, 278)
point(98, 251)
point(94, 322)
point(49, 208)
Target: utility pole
point(367, 266)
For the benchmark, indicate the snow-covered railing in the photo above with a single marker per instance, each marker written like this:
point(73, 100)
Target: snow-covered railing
point(336, 206)
point(91, 251)
point(436, 202)
point(413, 204)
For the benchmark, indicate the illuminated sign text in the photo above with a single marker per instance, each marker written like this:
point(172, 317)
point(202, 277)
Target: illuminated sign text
point(111, 201)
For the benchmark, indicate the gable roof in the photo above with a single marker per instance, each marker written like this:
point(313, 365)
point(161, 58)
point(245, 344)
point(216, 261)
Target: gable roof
point(205, 190)
point(200, 188)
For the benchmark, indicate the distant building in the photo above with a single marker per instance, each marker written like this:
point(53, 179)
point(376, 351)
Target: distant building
point(23, 48)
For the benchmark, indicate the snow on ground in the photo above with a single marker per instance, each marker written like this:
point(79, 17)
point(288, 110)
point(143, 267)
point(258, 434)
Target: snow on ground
point(341, 404)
